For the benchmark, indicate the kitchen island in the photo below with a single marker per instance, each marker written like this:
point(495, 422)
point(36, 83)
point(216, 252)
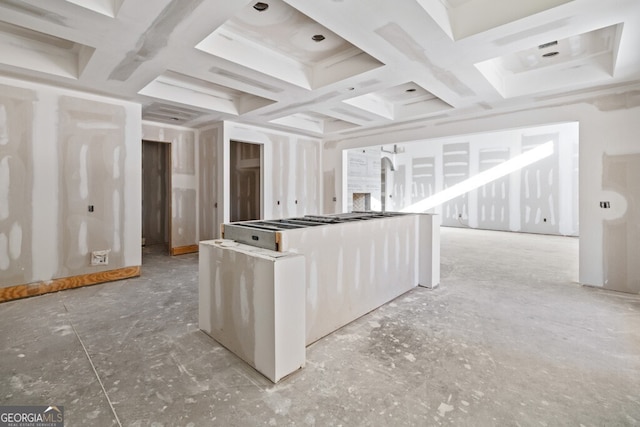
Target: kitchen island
point(339, 268)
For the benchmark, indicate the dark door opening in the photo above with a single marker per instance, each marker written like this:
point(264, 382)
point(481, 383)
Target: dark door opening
point(245, 181)
point(156, 194)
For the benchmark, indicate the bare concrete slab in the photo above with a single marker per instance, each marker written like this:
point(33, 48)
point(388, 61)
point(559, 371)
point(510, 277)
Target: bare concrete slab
point(507, 339)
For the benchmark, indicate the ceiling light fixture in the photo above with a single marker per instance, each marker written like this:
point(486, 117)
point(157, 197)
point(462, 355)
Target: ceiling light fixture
point(545, 45)
point(317, 38)
point(550, 54)
point(260, 6)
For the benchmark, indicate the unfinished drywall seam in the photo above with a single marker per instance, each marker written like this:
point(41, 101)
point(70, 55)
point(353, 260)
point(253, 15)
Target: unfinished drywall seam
point(395, 35)
point(16, 184)
point(526, 200)
point(155, 38)
point(90, 132)
point(621, 235)
point(43, 133)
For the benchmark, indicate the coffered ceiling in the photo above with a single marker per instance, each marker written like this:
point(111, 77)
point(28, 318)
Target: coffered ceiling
point(325, 68)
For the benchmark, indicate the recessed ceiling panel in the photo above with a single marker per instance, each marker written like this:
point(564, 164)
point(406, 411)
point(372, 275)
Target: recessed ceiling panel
point(105, 7)
point(554, 64)
point(28, 49)
point(357, 117)
point(401, 102)
point(317, 67)
point(286, 44)
point(464, 18)
point(171, 114)
point(314, 122)
point(245, 80)
point(199, 93)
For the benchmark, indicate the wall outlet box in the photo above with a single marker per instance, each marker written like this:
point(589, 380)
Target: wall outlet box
point(100, 257)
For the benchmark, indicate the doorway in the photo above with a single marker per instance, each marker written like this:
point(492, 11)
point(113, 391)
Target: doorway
point(245, 181)
point(156, 195)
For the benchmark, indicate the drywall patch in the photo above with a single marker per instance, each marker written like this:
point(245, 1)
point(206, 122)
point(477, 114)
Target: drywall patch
point(395, 35)
point(423, 175)
point(583, 91)
point(83, 185)
point(16, 184)
point(493, 198)
point(621, 235)
point(155, 38)
point(116, 163)
point(5, 182)
point(456, 163)
point(183, 154)
point(539, 188)
point(117, 208)
point(623, 101)
point(4, 252)
point(82, 238)
point(4, 136)
point(183, 226)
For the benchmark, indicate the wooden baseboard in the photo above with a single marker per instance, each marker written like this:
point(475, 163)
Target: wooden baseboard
point(181, 250)
point(39, 288)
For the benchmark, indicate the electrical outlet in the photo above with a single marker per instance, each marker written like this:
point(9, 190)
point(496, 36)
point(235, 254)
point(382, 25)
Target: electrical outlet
point(100, 257)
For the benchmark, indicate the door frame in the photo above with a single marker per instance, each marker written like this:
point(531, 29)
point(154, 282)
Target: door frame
point(168, 191)
point(262, 174)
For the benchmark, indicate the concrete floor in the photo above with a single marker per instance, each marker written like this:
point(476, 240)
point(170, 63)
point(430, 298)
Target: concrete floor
point(508, 339)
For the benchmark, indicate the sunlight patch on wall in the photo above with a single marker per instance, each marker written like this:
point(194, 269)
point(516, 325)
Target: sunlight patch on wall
point(541, 152)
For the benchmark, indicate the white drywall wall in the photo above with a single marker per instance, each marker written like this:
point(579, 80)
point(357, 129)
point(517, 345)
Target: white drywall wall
point(291, 166)
point(539, 198)
point(68, 150)
point(608, 125)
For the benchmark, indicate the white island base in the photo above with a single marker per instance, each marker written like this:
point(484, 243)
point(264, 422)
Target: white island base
point(267, 306)
point(252, 302)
